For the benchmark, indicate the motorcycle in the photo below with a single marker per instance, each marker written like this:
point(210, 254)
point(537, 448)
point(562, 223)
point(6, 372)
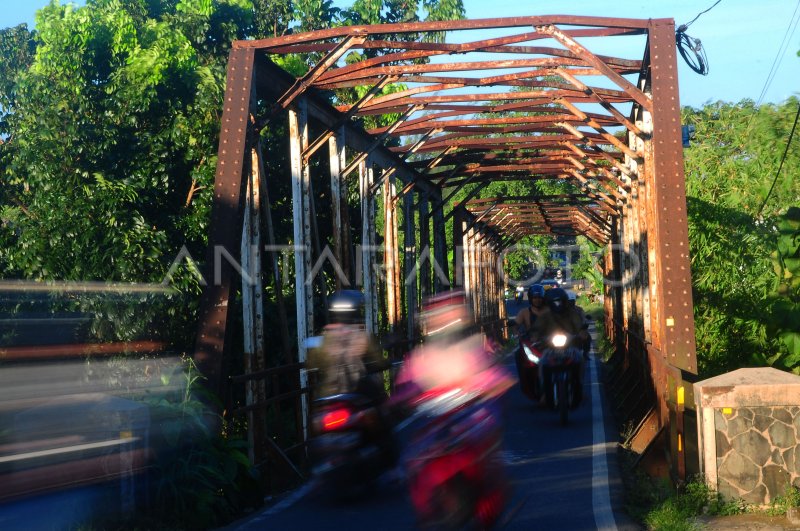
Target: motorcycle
point(352, 443)
point(454, 468)
point(560, 366)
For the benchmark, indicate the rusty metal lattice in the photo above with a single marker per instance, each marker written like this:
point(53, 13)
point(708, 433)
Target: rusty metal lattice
point(535, 100)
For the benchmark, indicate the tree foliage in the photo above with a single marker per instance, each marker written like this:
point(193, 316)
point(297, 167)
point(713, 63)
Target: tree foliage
point(729, 169)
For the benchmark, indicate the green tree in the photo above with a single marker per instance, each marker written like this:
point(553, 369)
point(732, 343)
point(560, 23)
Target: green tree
point(786, 297)
point(729, 169)
point(116, 122)
point(272, 17)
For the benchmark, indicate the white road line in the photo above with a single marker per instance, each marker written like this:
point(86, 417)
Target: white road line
point(601, 496)
point(67, 449)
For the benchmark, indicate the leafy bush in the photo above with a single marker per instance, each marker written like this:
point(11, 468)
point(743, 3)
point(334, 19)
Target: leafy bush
point(203, 477)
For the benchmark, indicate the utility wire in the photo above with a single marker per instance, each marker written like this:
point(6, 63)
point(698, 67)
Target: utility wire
point(780, 166)
point(781, 51)
point(683, 27)
point(691, 49)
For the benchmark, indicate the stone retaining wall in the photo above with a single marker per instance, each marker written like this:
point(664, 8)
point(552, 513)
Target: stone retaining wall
point(758, 451)
point(749, 433)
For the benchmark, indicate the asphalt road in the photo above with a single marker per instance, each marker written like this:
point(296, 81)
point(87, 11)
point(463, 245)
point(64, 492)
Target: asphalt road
point(559, 476)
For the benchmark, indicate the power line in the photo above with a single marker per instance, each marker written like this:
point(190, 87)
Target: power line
point(780, 166)
point(683, 27)
point(691, 49)
point(781, 51)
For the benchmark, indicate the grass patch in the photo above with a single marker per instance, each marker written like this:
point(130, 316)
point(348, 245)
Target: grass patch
point(678, 511)
point(782, 504)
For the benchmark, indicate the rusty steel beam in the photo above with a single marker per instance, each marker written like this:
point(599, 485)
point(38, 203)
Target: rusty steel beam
point(430, 164)
point(589, 57)
point(674, 290)
point(602, 101)
point(274, 81)
point(531, 197)
point(606, 25)
point(316, 144)
point(410, 128)
point(317, 71)
point(592, 122)
point(413, 149)
point(211, 348)
point(542, 96)
point(334, 77)
point(450, 48)
point(378, 142)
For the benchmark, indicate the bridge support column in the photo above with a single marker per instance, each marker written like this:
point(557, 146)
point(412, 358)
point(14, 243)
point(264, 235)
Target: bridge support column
point(409, 264)
point(253, 307)
point(424, 246)
point(391, 256)
point(366, 178)
point(336, 150)
point(441, 277)
point(301, 214)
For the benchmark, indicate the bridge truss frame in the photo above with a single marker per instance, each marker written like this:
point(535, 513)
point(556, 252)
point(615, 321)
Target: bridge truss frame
point(442, 133)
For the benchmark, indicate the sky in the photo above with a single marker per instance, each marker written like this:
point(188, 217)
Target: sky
point(741, 38)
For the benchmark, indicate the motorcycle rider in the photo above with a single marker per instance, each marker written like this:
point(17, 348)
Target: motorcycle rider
point(563, 317)
point(349, 360)
point(526, 318)
point(450, 369)
point(452, 352)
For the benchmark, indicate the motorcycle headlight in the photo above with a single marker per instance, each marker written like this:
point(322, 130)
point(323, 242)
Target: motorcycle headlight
point(529, 354)
point(559, 340)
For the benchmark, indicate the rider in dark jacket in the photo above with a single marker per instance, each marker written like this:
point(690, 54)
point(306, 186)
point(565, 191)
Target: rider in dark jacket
point(526, 318)
point(563, 317)
point(349, 360)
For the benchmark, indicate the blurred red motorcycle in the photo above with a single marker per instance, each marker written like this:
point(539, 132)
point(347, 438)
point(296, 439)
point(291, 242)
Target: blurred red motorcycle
point(455, 472)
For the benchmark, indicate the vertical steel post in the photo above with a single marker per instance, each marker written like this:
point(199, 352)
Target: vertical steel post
point(253, 307)
point(458, 247)
point(336, 152)
point(466, 260)
point(424, 246)
point(365, 180)
point(440, 251)
point(409, 264)
point(211, 349)
point(674, 289)
point(391, 254)
point(301, 214)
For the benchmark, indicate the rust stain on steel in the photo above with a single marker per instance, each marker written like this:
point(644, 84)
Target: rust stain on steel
point(669, 202)
point(226, 215)
point(629, 26)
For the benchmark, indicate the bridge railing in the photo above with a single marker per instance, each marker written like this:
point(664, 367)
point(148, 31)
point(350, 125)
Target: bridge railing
point(654, 404)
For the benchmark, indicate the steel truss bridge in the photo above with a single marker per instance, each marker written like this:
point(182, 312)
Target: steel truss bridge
point(537, 100)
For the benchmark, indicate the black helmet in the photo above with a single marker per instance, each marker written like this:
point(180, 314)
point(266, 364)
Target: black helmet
point(557, 299)
point(536, 290)
point(346, 307)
